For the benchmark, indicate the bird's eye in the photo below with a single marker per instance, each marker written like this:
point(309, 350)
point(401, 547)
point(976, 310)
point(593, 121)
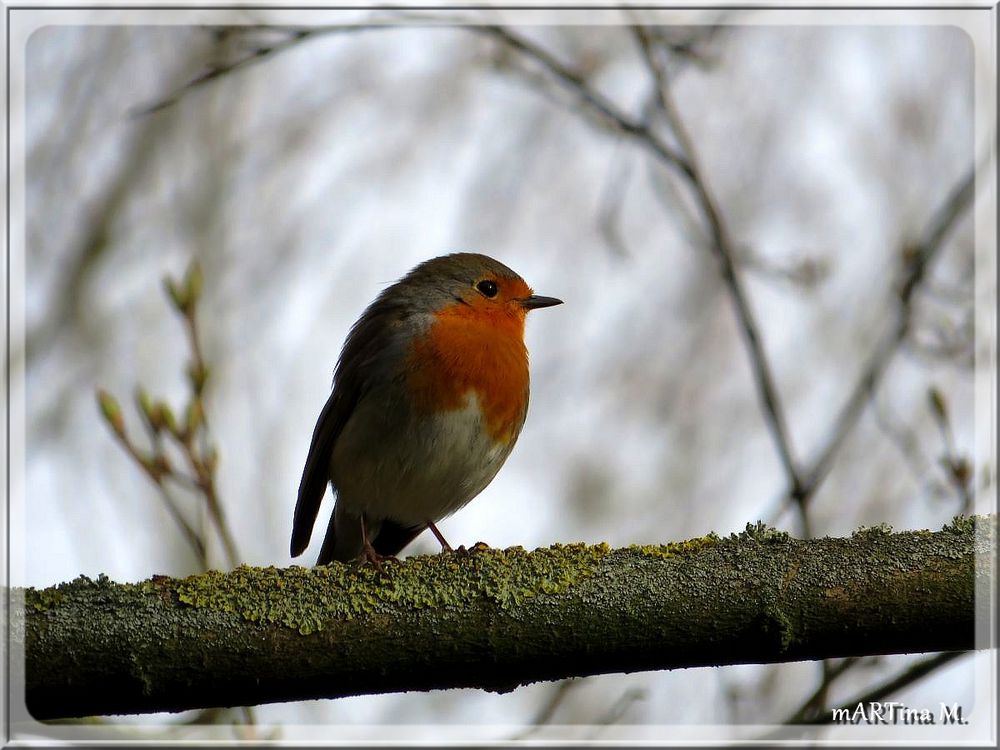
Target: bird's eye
point(488, 288)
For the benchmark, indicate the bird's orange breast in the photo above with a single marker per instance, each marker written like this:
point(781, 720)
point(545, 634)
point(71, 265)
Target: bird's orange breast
point(478, 348)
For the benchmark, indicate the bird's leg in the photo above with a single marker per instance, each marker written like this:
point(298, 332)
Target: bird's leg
point(368, 553)
point(440, 537)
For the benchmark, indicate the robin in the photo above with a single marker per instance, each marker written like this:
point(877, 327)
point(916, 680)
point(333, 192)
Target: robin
point(429, 396)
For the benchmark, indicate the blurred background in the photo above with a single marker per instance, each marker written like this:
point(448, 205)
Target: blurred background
point(306, 167)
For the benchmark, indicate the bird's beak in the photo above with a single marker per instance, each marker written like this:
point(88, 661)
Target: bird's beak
point(535, 301)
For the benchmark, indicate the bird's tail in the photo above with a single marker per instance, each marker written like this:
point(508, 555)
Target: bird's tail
point(392, 538)
point(343, 541)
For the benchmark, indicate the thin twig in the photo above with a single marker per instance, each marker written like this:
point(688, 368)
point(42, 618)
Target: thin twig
point(215, 510)
point(617, 710)
point(955, 467)
point(595, 101)
point(723, 249)
point(919, 260)
point(951, 342)
point(556, 698)
point(194, 341)
point(156, 475)
point(903, 438)
point(191, 438)
point(204, 475)
point(610, 206)
point(807, 273)
point(249, 723)
point(665, 190)
point(295, 36)
point(204, 478)
point(813, 705)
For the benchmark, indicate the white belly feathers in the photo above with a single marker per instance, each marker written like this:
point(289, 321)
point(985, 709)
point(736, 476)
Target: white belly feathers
point(422, 473)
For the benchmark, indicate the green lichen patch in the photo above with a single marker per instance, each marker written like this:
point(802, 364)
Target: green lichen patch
point(675, 549)
point(306, 598)
point(880, 529)
point(42, 600)
point(762, 533)
point(962, 525)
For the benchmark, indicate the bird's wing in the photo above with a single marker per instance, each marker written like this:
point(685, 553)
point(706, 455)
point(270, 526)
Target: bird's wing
point(371, 354)
point(316, 473)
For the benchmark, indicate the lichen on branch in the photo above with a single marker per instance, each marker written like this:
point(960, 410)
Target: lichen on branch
point(496, 619)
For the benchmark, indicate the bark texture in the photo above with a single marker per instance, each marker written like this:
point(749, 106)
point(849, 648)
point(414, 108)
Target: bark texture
point(496, 619)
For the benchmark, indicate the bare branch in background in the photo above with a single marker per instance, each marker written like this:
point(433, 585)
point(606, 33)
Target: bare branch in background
point(691, 46)
point(288, 37)
point(191, 437)
point(723, 249)
point(594, 101)
point(916, 263)
point(155, 469)
point(666, 191)
point(832, 671)
point(806, 273)
point(944, 339)
point(905, 439)
point(94, 240)
point(610, 206)
point(557, 696)
point(957, 468)
point(617, 710)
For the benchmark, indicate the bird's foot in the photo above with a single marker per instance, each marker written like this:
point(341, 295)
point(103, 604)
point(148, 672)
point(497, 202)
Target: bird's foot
point(370, 557)
point(445, 547)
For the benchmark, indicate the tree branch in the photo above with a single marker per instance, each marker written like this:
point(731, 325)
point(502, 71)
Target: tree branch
point(292, 37)
point(593, 100)
point(496, 619)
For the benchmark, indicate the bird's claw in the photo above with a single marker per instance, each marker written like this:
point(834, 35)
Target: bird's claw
point(369, 556)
